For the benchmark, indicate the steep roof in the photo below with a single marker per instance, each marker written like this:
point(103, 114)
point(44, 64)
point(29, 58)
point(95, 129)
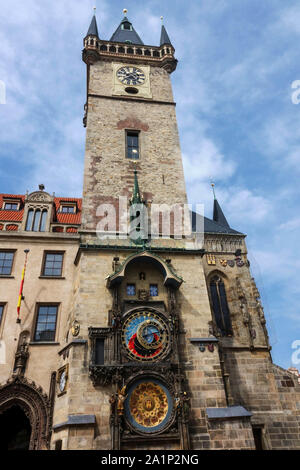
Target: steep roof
point(210, 226)
point(164, 37)
point(125, 32)
point(93, 29)
point(218, 215)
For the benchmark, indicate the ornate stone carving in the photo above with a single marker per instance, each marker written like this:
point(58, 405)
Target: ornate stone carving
point(35, 404)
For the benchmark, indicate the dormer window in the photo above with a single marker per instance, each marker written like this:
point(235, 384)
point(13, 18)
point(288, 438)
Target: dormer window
point(11, 206)
point(68, 208)
point(127, 26)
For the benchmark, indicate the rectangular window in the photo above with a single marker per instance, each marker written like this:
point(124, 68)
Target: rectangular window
point(6, 262)
point(153, 290)
point(11, 206)
point(132, 145)
point(67, 209)
point(131, 290)
point(46, 323)
point(53, 264)
point(1, 312)
point(99, 351)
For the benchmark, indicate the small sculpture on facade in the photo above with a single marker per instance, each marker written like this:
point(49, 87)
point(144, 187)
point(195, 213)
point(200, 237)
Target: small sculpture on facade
point(121, 399)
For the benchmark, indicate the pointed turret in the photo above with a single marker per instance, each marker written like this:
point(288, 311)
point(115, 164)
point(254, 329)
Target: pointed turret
point(164, 37)
point(93, 29)
point(126, 33)
point(219, 216)
point(136, 195)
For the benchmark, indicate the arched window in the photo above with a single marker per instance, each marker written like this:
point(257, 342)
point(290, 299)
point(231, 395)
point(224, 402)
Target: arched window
point(36, 220)
point(43, 221)
point(29, 220)
point(220, 306)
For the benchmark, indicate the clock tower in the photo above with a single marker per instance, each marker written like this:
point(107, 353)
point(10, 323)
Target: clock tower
point(165, 337)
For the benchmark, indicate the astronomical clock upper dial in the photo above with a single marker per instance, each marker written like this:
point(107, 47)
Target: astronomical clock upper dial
point(131, 76)
point(145, 336)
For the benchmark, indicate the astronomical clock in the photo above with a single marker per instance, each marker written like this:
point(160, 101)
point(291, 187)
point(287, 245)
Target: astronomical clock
point(138, 354)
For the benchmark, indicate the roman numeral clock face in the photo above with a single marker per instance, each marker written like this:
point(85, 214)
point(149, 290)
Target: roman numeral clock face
point(131, 76)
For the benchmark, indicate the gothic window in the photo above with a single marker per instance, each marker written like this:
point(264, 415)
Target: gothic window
point(6, 262)
point(132, 144)
point(153, 290)
point(131, 291)
point(220, 306)
point(53, 264)
point(36, 220)
point(46, 323)
point(43, 221)
point(29, 220)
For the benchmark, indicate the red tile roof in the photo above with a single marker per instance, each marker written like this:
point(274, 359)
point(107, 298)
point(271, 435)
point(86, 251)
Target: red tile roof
point(58, 217)
point(11, 216)
point(62, 218)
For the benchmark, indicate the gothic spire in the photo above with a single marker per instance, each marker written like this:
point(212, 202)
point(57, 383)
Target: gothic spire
point(93, 29)
point(136, 195)
point(164, 37)
point(125, 32)
point(218, 215)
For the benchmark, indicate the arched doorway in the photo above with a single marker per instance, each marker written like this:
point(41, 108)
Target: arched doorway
point(15, 429)
point(25, 415)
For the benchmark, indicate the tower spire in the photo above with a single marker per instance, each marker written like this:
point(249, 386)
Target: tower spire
point(218, 215)
point(136, 195)
point(164, 37)
point(125, 32)
point(93, 29)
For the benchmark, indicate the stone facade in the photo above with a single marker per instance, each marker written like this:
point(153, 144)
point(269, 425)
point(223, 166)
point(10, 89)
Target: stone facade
point(180, 322)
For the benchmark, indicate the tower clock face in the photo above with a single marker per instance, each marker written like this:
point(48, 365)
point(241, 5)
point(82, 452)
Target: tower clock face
point(145, 336)
point(63, 381)
point(131, 76)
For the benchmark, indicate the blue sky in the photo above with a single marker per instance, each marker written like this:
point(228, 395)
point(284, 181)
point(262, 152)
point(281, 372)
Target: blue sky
point(237, 122)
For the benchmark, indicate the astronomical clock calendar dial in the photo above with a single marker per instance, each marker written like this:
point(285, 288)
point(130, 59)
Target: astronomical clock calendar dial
point(145, 336)
point(131, 76)
point(148, 406)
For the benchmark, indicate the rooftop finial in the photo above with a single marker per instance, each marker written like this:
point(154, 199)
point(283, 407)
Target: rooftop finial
point(213, 188)
point(162, 19)
point(95, 9)
point(125, 11)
